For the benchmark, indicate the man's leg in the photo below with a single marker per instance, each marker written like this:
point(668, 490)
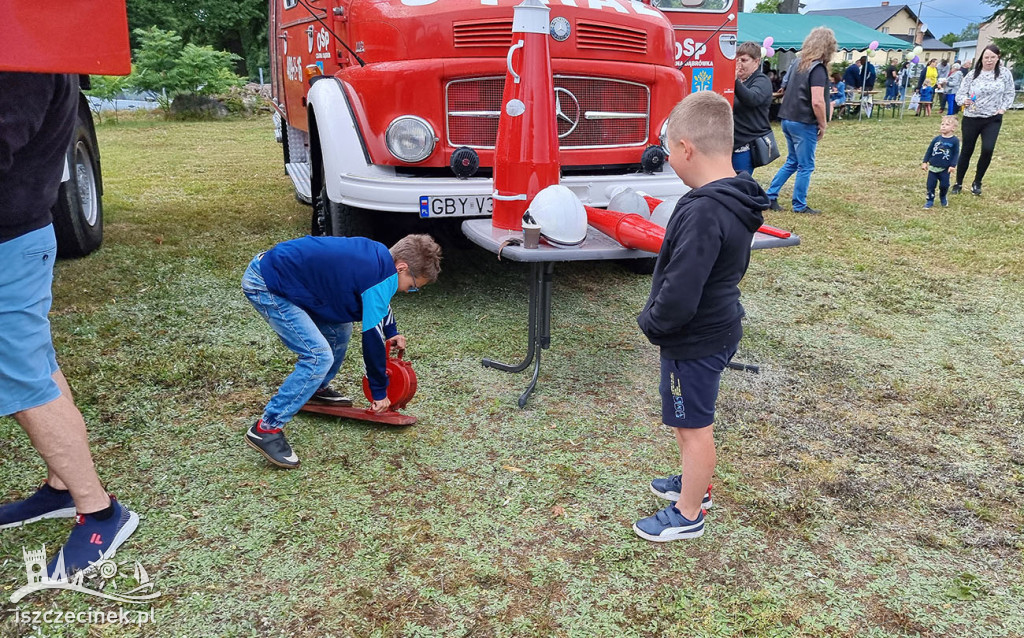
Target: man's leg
point(58, 433)
point(34, 391)
point(697, 456)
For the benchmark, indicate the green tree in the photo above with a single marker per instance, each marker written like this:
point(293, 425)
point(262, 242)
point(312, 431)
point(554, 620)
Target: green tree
point(767, 6)
point(155, 60)
point(1009, 16)
point(949, 39)
point(166, 67)
point(237, 26)
point(970, 32)
point(203, 71)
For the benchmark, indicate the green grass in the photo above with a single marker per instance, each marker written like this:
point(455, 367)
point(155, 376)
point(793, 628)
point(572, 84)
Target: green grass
point(869, 483)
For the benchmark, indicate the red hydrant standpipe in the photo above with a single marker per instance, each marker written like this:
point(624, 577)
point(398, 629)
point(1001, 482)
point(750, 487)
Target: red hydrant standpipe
point(401, 389)
point(526, 149)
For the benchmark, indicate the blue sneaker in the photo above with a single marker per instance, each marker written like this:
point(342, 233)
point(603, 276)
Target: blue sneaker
point(944, 202)
point(45, 503)
point(93, 541)
point(669, 525)
point(928, 204)
point(669, 488)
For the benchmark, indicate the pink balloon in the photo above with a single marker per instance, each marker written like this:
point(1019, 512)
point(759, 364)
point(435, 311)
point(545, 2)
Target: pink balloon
point(768, 42)
point(771, 52)
point(915, 59)
point(873, 45)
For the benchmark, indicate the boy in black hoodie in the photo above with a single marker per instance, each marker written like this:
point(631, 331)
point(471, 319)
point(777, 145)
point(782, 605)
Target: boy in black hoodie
point(694, 311)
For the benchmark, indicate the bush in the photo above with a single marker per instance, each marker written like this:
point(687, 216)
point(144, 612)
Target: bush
point(165, 66)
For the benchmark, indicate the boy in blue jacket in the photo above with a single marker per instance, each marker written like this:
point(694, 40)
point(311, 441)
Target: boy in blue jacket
point(694, 312)
point(310, 290)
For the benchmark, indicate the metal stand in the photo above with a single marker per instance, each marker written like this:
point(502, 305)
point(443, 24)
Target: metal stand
point(596, 247)
point(539, 333)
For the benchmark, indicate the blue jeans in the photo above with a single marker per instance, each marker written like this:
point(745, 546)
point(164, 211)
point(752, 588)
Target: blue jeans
point(801, 142)
point(743, 161)
point(891, 91)
point(321, 347)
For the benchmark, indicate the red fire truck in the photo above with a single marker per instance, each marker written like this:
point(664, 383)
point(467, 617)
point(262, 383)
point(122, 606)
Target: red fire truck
point(393, 105)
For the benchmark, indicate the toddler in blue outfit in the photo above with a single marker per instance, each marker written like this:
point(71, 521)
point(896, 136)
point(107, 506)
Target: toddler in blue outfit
point(940, 160)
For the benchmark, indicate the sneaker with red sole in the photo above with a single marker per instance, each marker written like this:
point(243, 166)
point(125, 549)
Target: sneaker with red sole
point(93, 541)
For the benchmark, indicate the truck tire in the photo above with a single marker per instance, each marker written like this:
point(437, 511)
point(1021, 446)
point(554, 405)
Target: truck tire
point(78, 213)
point(338, 220)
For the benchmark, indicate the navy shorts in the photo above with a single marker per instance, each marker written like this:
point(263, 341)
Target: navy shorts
point(27, 360)
point(689, 389)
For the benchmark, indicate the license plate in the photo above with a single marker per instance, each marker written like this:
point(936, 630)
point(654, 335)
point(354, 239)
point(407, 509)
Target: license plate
point(456, 206)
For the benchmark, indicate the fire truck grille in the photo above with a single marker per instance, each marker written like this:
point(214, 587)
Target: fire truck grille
point(610, 37)
point(592, 112)
point(483, 33)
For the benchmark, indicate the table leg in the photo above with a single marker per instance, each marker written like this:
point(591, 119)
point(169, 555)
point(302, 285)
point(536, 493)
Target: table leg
point(531, 339)
point(543, 278)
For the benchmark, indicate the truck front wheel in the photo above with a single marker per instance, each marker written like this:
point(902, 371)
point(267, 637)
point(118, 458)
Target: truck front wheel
point(78, 213)
point(339, 220)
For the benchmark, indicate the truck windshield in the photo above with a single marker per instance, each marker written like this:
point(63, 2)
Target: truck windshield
point(693, 5)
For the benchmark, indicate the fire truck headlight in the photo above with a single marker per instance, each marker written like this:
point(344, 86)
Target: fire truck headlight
point(663, 137)
point(410, 139)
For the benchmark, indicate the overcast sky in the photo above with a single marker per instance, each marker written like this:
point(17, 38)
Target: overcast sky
point(940, 16)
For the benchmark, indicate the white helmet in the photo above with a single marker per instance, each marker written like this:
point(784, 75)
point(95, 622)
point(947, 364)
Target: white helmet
point(562, 219)
point(663, 211)
point(630, 201)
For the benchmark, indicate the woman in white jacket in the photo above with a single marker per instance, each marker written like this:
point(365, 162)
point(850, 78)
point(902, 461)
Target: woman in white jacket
point(985, 93)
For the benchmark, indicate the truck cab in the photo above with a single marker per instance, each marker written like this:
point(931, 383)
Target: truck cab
point(393, 105)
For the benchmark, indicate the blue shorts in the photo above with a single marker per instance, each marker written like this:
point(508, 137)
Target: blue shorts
point(689, 389)
point(27, 360)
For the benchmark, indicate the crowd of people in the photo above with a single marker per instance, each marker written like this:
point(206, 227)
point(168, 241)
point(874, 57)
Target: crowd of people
point(979, 91)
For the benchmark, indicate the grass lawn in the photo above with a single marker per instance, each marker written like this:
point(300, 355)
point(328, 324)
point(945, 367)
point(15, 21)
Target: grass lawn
point(870, 479)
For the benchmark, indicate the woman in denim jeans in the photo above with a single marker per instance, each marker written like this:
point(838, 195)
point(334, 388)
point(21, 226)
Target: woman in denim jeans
point(804, 116)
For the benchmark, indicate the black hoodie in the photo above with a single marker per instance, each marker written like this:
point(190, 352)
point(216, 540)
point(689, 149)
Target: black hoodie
point(694, 309)
point(37, 118)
